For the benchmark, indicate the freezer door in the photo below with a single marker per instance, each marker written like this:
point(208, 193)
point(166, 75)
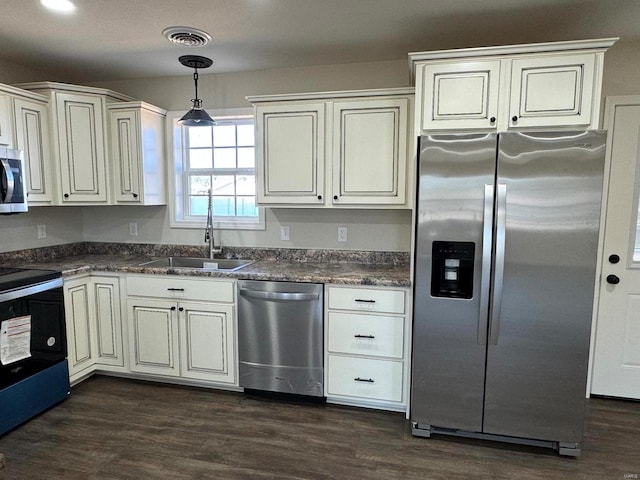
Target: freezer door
point(547, 219)
point(453, 230)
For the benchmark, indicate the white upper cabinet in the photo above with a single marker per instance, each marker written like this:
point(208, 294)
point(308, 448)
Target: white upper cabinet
point(136, 130)
point(459, 95)
point(32, 137)
point(6, 122)
point(290, 143)
point(553, 91)
point(334, 149)
point(370, 151)
point(79, 141)
point(555, 85)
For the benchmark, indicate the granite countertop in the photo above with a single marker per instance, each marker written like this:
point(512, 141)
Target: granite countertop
point(336, 272)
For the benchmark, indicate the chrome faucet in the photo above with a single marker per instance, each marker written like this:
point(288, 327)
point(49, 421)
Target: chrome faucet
point(208, 233)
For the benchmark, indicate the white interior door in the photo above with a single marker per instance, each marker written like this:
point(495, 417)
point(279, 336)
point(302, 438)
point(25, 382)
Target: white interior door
point(616, 358)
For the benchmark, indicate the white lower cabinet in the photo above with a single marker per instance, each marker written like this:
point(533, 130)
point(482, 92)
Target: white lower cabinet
point(94, 328)
point(367, 346)
point(78, 319)
point(190, 336)
point(153, 332)
point(207, 342)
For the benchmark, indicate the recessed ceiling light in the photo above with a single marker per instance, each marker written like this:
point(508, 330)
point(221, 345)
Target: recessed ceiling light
point(60, 6)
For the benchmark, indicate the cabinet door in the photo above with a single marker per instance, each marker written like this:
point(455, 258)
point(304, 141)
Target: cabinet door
point(552, 91)
point(6, 121)
point(290, 153)
point(370, 151)
point(80, 129)
point(108, 327)
point(207, 340)
point(153, 336)
point(125, 150)
point(78, 319)
point(32, 137)
point(461, 95)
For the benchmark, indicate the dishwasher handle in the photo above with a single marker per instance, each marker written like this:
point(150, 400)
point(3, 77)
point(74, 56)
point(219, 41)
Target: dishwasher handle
point(286, 296)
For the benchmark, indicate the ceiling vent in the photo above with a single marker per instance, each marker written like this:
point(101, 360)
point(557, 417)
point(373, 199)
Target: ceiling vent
point(186, 36)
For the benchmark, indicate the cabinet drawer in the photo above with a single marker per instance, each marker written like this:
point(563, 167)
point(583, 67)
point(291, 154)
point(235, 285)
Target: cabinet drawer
point(359, 377)
point(366, 334)
point(180, 288)
point(368, 300)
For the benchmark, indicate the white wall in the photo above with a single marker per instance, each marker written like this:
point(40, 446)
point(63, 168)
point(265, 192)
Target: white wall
point(20, 231)
point(228, 90)
point(367, 229)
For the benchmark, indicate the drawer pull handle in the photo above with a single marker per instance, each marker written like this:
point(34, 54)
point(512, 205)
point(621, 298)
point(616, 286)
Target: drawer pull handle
point(365, 380)
point(361, 300)
point(364, 336)
point(176, 289)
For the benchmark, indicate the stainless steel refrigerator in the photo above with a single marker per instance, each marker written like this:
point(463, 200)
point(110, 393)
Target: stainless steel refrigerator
point(506, 242)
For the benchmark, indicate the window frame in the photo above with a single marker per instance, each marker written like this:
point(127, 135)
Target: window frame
point(176, 177)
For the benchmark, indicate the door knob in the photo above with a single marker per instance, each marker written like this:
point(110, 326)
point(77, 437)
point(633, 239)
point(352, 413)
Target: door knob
point(613, 279)
point(614, 258)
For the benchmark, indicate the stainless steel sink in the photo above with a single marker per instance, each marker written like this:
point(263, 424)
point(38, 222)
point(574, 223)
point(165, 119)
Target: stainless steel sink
point(220, 264)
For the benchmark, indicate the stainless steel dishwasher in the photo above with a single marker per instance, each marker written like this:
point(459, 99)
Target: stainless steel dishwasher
point(280, 337)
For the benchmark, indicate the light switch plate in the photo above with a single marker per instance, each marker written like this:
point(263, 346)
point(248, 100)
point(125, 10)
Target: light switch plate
point(133, 229)
point(285, 233)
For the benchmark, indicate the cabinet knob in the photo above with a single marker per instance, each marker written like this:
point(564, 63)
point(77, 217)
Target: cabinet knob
point(181, 309)
point(66, 195)
point(135, 195)
point(613, 279)
point(319, 197)
point(492, 120)
point(614, 258)
point(173, 309)
point(335, 197)
point(514, 118)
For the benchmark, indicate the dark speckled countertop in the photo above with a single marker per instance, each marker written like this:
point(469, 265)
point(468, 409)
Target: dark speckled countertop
point(337, 271)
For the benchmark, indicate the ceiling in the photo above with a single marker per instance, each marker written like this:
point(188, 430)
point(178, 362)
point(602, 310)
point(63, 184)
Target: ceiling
point(121, 39)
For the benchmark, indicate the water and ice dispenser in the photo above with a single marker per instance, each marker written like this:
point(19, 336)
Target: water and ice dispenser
point(452, 269)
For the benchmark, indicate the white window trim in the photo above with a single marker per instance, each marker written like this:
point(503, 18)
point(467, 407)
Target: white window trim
point(174, 174)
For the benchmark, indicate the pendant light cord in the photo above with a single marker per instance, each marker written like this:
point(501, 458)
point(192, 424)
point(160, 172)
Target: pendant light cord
point(195, 80)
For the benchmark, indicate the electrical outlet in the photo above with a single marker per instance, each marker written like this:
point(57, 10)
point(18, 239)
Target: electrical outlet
point(342, 234)
point(285, 232)
point(133, 229)
point(42, 231)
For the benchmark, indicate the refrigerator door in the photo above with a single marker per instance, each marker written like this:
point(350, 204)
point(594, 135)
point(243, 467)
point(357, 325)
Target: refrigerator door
point(453, 230)
point(547, 218)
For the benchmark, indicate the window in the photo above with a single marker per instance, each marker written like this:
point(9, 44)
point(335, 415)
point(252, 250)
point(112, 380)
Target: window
point(220, 158)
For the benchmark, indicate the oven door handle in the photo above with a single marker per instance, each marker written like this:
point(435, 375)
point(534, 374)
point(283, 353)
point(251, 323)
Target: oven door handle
point(8, 173)
point(284, 296)
point(30, 290)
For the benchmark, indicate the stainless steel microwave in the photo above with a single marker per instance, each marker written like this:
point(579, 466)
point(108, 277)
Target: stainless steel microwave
point(13, 192)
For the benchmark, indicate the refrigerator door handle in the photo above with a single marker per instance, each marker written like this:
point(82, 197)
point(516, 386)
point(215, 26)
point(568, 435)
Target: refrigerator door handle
point(498, 276)
point(485, 274)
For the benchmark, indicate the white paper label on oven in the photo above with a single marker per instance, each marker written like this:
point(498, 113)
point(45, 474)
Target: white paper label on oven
point(15, 339)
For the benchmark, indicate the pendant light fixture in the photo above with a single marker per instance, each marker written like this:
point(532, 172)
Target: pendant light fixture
point(196, 117)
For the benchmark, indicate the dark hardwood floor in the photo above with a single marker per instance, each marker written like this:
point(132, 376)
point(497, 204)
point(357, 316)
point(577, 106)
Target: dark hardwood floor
point(113, 428)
